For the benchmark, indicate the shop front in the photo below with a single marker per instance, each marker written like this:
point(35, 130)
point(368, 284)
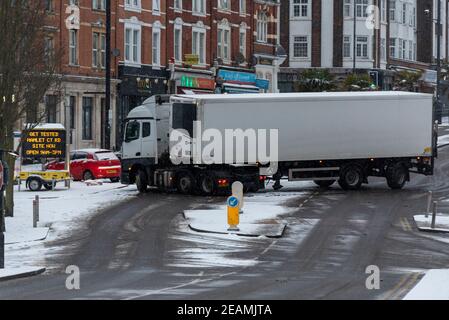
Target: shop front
point(191, 81)
point(137, 85)
point(238, 82)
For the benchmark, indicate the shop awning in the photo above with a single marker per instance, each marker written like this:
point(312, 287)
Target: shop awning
point(194, 91)
point(240, 88)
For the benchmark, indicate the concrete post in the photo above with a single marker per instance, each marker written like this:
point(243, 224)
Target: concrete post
point(434, 215)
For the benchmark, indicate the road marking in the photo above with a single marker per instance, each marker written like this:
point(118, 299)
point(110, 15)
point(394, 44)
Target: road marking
point(406, 224)
point(406, 283)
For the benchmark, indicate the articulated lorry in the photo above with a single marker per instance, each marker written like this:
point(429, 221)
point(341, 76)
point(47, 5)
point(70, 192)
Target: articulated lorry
point(342, 137)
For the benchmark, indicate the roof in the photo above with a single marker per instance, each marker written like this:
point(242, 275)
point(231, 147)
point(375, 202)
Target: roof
point(45, 126)
point(91, 150)
point(370, 95)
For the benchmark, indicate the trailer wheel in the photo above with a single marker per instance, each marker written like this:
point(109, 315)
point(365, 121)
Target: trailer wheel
point(206, 184)
point(397, 176)
point(324, 184)
point(35, 184)
point(141, 181)
point(185, 183)
point(351, 177)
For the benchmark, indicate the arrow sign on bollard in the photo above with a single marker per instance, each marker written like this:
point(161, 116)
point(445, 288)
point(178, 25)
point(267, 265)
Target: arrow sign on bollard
point(233, 213)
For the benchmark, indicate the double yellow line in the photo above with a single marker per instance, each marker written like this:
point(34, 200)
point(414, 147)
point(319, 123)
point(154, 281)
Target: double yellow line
point(406, 226)
point(404, 286)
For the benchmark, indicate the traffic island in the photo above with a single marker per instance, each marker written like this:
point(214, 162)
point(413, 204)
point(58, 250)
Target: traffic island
point(245, 229)
point(253, 221)
point(17, 273)
point(424, 223)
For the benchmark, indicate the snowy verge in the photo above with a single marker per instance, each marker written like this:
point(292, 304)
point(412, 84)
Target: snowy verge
point(63, 212)
point(15, 273)
point(24, 234)
point(424, 223)
point(434, 286)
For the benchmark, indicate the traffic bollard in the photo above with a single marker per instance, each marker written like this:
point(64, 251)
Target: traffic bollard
point(434, 215)
point(35, 211)
point(429, 203)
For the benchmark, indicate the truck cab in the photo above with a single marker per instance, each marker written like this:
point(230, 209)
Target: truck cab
point(145, 136)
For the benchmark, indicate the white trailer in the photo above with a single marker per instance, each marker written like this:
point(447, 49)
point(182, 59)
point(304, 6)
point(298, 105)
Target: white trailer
point(326, 137)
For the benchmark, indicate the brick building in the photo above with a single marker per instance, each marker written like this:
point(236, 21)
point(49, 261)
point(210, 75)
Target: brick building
point(78, 26)
point(320, 34)
point(158, 47)
point(141, 56)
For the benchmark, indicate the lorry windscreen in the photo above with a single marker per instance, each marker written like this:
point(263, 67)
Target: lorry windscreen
point(184, 114)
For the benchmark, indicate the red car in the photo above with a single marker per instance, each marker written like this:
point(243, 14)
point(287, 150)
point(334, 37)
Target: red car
point(91, 164)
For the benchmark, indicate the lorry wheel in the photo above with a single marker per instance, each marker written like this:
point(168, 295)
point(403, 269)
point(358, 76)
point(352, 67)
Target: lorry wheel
point(185, 183)
point(206, 185)
point(351, 177)
point(141, 181)
point(397, 175)
point(35, 184)
point(324, 183)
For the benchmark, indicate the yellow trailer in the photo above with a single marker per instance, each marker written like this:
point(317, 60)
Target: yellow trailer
point(35, 180)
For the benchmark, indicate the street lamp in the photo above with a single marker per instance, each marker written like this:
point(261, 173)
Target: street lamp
point(107, 129)
point(438, 106)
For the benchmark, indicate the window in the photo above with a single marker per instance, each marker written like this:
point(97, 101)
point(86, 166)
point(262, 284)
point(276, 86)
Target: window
point(361, 8)
point(404, 13)
point(132, 131)
point(73, 47)
point(347, 8)
point(410, 50)
point(362, 47)
point(224, 4)
point(242, 6)
point(402, 49)
point(301, 8)
point(262, 27)
point(392, 47)
point(73, 2)
point(133, 5)
point(98, 50)
point(383, 49)
point(224, 42)
point(301, 47)
point(392, 10)
point(146, 129)
point(99, 5)
point(242, 41)
point(347, 47)
point(199, 44)
point(198, 7)
point(49, 49)
point(50, 108)
point(48, 5)
point(156, 6)
point(178, 5)
point(384, 10)
point(132, 44)
point(156, 47)
point(178, 43)
point(87, 118)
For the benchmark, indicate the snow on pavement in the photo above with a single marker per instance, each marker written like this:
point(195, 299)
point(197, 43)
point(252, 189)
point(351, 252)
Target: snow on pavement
point(63, 211)
point(11, 272)
point(434, 286)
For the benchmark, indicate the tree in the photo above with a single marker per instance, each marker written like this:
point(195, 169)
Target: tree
point(29, 65)
point(315, 80)
point(358, 82)
point(407, 80)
